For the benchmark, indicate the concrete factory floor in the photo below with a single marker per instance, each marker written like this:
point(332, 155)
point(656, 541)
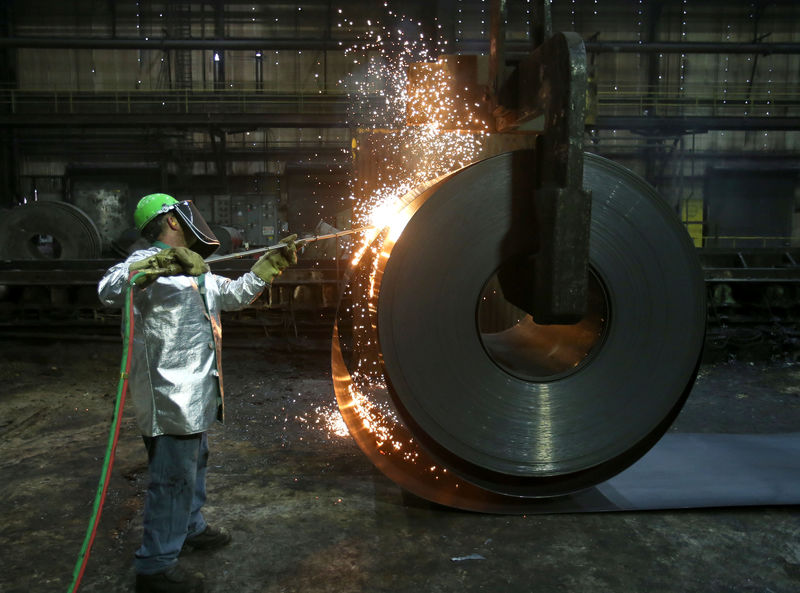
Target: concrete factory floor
point(309, 513)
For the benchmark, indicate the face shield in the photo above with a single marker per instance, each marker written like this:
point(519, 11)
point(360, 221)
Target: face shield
point(206, 242)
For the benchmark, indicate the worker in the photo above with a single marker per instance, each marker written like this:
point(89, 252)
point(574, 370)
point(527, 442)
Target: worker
point(175, 378)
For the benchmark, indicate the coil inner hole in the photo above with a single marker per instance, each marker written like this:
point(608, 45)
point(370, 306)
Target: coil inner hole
point(534, 352)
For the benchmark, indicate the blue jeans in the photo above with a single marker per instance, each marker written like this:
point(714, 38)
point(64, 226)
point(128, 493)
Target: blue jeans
point(175, 495)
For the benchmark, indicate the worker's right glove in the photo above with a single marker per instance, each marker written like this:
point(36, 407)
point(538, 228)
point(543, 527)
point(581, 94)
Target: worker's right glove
point(276, 261)
point(175, 261)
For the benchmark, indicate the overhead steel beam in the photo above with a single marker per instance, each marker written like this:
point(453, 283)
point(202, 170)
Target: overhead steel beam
point(164, 44)
point(467, 46)
point(696, 47)
point(614, 152)
point(113, 146)
point(175, 120)
point(101, 153)
point(517, 50)
point(695, 124)
point(300, 120)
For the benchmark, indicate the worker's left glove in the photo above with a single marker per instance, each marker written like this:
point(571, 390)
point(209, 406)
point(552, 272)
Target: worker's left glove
point(276, 261)
point(191, 262)
point(174, 261)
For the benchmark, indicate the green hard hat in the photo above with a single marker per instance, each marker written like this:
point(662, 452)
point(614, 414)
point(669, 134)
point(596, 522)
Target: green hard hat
point(151, 206)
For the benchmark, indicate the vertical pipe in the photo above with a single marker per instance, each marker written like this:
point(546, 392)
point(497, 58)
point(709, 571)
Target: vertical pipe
point(202, 36)
point(651, 147)
point(219, 71)
point(7, 169)
point(8, 55)
point(259, 74)
point(497, 36)
point(759, 11)
point(219, 55)
point(328, 26)
point(112, 11)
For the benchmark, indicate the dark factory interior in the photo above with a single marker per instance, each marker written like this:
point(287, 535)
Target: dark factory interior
point(510, 295)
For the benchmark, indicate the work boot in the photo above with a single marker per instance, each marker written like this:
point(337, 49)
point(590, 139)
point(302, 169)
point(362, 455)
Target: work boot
point(210, 539)
point(172, 580)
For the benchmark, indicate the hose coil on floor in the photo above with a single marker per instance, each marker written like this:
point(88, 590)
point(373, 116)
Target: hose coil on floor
point(460, 398)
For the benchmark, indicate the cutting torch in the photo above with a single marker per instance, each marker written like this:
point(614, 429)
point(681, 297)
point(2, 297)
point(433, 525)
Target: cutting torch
point(300, 243)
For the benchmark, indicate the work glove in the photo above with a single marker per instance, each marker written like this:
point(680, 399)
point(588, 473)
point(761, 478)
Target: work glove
point(192, 262)
point(175, 261)
point(276, 261)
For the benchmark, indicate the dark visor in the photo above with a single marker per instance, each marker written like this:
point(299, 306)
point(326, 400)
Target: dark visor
point(207, 243)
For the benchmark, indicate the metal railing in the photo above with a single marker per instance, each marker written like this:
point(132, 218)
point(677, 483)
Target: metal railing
point(177, 101)
point(726, 100)
point(734, 242)
point(733, 100)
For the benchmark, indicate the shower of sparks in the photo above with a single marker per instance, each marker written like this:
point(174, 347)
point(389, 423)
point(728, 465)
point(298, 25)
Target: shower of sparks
point(332, 421)
point(416, 122)
point(326, 419)
point(373, 418)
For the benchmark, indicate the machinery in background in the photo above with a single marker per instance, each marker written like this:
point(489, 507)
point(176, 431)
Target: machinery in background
point(52, 254)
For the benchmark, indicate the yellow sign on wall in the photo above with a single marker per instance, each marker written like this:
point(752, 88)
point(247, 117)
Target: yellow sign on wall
point(692, 218)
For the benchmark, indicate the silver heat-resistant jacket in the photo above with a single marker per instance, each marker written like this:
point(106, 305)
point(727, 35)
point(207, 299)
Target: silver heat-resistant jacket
point(176, 378)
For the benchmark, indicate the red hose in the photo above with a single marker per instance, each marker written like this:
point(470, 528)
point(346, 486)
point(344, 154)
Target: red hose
point(113, 437)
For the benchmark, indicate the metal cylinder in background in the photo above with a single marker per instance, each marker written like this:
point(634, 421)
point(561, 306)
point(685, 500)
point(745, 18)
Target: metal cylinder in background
point(48, 230)
point(463, 400)
point(230, 239)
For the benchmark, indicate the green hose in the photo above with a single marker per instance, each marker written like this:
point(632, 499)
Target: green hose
point(113, 436)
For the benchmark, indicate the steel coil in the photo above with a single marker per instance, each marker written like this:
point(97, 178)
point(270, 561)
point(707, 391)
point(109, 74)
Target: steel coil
point(49, 230)
point(463, 400)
